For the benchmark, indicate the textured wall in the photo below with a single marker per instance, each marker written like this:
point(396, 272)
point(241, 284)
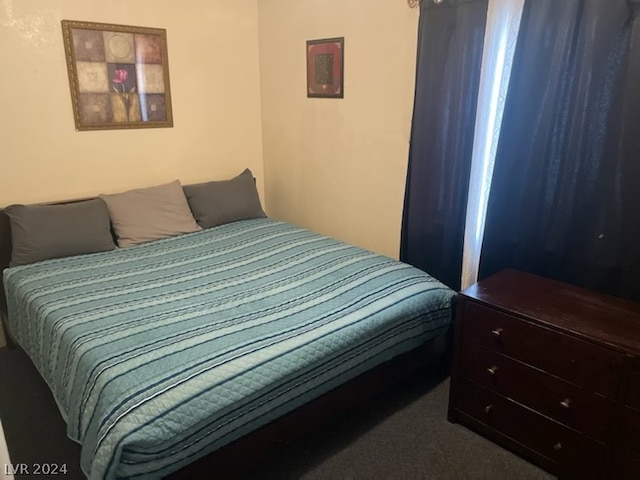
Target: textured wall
point(338, 166)
point(213, 58)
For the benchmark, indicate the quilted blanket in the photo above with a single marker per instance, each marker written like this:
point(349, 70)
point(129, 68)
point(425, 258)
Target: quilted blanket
point(161, 353)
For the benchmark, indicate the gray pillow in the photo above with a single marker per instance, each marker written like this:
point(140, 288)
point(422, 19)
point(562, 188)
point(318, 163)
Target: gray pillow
point(217, 203)
point(151, 213)
point(41, 232)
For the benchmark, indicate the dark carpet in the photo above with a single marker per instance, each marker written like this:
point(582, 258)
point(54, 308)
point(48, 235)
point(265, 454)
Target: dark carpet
point(400, 434)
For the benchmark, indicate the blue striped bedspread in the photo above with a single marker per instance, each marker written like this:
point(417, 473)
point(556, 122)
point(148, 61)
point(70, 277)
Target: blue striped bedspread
point(161, 353)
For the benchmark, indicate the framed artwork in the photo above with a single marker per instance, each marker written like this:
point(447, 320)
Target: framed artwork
point(118, 75)
point(325, 68)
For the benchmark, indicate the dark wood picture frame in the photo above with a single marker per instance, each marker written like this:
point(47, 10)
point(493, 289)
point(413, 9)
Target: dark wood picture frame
point(118, 75)
point(325, 68)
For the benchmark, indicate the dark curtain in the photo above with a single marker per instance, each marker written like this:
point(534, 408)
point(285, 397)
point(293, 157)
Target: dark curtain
point(566, 187)
point(450, 39)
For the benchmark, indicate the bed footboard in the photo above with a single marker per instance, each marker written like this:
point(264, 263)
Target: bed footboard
point(227, 461)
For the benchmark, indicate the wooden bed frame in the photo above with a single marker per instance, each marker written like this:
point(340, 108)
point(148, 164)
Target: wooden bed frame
point(229, 459)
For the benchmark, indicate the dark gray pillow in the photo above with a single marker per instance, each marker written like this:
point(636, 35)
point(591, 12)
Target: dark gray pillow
point(226, 201)
point(41, 232)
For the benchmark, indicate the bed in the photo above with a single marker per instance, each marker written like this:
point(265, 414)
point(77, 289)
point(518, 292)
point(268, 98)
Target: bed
point(164, 356)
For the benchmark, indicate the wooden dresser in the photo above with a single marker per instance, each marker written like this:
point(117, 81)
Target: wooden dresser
point(551, 372)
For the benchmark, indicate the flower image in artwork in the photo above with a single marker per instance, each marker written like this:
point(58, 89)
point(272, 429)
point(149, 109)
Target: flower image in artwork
point(126, 106)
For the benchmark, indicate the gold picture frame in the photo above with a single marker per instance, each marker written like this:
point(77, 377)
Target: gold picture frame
point(118, 75)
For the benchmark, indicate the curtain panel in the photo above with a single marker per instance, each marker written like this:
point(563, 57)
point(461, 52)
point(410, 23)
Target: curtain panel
point(450, 40)
point(566, 185)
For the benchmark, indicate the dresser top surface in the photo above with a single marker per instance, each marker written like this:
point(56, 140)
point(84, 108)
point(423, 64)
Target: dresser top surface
point(604, 318)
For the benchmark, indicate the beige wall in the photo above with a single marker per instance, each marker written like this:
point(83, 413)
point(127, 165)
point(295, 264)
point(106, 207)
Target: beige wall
point(213, 57)
point(335, 166)
point(339, 166)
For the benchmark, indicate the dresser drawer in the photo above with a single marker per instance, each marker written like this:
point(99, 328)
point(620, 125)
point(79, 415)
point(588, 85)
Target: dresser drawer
point(633, 394)
point(623, 467)
point(628, 438)
point(568, 450)
point(573, 406)
point(583, 363)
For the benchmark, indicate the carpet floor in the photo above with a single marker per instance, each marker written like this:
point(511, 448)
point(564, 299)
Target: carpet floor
point(400, 434)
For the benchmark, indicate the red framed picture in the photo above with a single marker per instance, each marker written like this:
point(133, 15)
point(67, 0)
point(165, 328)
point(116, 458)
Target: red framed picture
point(325, 68)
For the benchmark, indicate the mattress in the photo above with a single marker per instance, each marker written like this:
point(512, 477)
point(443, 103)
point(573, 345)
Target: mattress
point(159, 354)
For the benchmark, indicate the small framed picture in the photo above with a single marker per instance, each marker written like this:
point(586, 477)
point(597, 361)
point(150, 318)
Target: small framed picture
point(118, 75)
point(325, 68)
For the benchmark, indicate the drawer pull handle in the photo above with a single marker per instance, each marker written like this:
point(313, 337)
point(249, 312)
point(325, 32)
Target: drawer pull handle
point(566, 403)
point(557, 447)
point(488, 408)
point(492, 370)
point(496, 332)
